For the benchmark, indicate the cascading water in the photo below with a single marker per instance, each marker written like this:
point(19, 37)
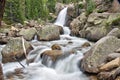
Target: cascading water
point(64, 69)
point(61, 20)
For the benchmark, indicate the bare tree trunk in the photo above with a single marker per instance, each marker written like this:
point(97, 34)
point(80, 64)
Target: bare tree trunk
point(2, 6)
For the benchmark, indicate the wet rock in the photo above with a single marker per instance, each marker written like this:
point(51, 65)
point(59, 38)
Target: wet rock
point(86, 44)
point(112, 56)
point(14, 48)
point(55, 47)
point(96, 56)
point(1, 73)
point(28, 34)
point(61, 30)
point(53, 54)
point(48, 33)
point(114, 32)
point(77, 24)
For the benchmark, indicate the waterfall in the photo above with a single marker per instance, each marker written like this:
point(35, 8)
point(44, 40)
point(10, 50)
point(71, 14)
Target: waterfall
point(61, 20)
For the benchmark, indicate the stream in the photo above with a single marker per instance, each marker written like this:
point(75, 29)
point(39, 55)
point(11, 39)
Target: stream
point(65, 68)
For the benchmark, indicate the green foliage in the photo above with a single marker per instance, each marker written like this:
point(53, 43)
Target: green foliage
point(20, 10)
point(51, 5)
point(90, 6)
point(14, 11)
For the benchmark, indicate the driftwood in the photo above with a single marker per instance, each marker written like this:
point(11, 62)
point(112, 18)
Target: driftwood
point(24, 49)
point(110, 65)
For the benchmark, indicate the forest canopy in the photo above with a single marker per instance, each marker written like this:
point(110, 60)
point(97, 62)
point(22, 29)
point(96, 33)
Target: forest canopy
point(20, 10)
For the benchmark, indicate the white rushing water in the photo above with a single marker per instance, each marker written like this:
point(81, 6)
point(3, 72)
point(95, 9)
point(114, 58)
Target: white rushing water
point(61, 19)
point(65, 68)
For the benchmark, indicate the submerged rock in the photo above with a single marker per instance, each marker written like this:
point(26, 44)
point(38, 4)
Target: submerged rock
point(53, 54)
point(14, 48)
point(48, 33)
point(56, 47)
point(96, 56)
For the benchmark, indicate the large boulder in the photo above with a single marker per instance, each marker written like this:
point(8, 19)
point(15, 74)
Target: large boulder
point(95, 33)
point(14, 48)
point(96, 56)
point(99, 25)
point(48, 33)
point(95, 27)
point(114, 32)
point(77, 24)
point(28, 34)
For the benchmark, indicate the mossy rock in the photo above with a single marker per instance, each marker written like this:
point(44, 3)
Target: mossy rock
point(48, 33)
point(14, 48)
point(113, 19)
point(96, 56)
point(28, 34)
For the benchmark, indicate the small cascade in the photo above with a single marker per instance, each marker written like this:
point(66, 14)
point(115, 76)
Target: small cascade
point(61, 19)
